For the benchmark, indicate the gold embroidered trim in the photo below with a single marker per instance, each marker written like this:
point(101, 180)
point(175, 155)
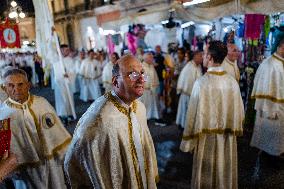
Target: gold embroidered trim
point(157, 179)
point(58, 148)
point(281, 60)
point(214, 131)
point(133, 151)
point(273, 99)
point(12, 105)
point(38, 128)
point(217, 73)
point(121, 108)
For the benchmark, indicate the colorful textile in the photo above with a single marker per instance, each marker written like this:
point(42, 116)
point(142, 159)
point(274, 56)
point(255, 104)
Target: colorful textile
point(253, 25)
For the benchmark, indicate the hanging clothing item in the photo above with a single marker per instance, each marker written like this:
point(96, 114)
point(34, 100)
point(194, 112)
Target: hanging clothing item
point(241, 30)
point(253, 25)
point(132, 43)
point(157, 37)
point(110, 44)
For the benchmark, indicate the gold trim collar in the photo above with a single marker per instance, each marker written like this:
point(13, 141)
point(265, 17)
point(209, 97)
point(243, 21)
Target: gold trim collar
point(122, 108)
point(278, 58)
point(230, 62)
point(217, 73)
point(13, 104)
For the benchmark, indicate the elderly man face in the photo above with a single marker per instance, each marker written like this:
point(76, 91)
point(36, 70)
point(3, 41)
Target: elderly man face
point(149, 58)
point(17, 87)
point(233, 52)
point(129, 84)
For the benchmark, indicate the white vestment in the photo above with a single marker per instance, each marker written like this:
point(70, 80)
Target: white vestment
point(64, 99)
point(70, 68)
point(187, 77)
point(90, 72)
point(214, 119)
point(268, 90)
point(107, 77)
point(112, 147)
point(39, 141)
point(150, 96)
point(231, 68)
point(78, 79)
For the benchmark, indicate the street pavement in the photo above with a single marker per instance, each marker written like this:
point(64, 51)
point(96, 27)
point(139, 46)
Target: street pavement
point(265, 172)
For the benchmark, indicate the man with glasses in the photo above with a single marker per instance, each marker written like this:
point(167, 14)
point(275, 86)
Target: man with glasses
point(230, 64)
point(112, 146)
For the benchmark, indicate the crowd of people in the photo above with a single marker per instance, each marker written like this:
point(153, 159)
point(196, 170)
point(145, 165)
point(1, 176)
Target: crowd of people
point(112, 146)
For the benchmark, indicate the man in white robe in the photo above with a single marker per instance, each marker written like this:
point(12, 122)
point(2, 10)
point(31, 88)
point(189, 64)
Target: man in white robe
point(78, 63)
point(39, 140)
point(189, 74)
point(70, 68)
point(214, 120)
point(112, 146)
point(268, 91)
point(64, 99)
point(91, 72)
point(230, 63)
point(107, 72)
point(150, 95)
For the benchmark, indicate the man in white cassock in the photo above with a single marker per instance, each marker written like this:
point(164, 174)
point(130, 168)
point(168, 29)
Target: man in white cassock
point(70, 67)
point(112, 146)
point(230, 63)
point(91, 72)
point(107, 72)
point(268, 91)
point(150, 95)
point(64, 99)
point(78, 62)
point(189, 74)
point(39, 140)
point(214, 120)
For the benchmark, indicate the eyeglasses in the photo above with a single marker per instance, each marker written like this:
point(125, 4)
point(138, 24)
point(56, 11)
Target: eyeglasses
point(134, 76)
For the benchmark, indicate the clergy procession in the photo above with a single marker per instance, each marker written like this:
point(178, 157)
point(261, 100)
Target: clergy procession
point(94, 103)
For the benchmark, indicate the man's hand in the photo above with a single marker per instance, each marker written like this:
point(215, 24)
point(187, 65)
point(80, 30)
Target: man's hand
point(7, 165)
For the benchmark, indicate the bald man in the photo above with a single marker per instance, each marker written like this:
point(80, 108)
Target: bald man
point(230, 64)
point(112, 146)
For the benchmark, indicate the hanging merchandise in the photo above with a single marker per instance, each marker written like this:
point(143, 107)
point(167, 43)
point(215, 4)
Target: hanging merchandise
point(156, 37)
point(241, 30)
point(132, 43)
point(267, 26)
point(253, 25)
point(110, 44)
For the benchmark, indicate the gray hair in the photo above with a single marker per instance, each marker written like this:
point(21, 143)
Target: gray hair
point(14, 71)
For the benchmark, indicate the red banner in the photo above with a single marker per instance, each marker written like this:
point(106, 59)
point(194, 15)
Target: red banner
point(9, 35)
